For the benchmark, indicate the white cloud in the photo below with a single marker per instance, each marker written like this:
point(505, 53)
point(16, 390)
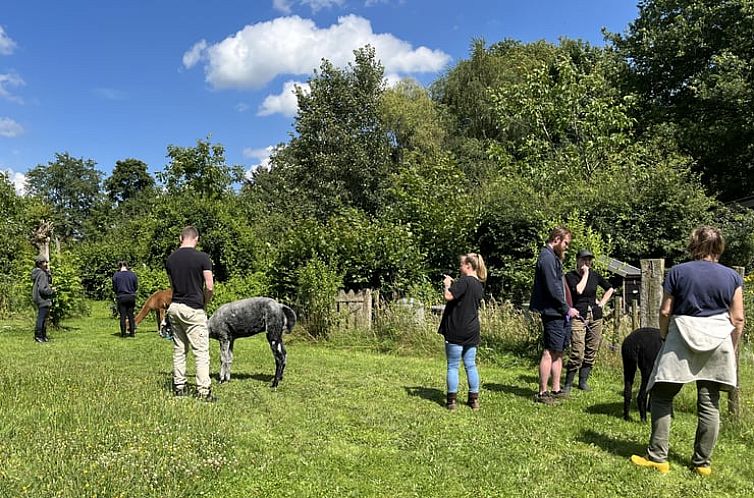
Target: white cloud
point(18, 180)
point(262, 155)
point(6, 44)
point(9, 128)
point(242, 107)
point(316, 5)
point(285, 102)
point(283, 6)
point(109, 93)
point(260, 52)
point(7, 80)
point(194, 55)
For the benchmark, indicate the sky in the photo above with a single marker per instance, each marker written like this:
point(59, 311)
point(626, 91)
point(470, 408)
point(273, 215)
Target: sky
point(108, 81)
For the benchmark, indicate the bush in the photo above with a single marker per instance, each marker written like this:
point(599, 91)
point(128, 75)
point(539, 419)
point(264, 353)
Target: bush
point(151, 280)
point(239, 287)
point(318, 285)
point(69, 300)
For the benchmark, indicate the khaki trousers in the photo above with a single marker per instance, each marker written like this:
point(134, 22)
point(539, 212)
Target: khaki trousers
point(190, 329)
point(585, 342)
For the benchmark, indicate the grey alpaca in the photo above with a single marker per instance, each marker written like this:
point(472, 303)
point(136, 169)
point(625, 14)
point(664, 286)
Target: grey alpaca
point(249, 317)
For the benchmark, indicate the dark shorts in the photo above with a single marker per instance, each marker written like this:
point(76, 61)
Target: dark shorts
point(557, 333)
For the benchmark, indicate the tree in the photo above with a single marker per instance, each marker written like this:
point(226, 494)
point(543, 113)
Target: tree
point(691, 64)
point(200, 170)
point(71, 186)
point(129, 178)
point(340, 156)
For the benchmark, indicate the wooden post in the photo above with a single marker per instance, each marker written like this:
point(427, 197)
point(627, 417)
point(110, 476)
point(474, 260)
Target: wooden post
point(733, 394)
point(617, 316)
point(634, 314)
point(652, 273)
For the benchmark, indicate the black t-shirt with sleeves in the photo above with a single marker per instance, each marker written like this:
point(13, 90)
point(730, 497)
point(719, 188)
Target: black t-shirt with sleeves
point(186, 268)
point(588, 298)
point(460, 320)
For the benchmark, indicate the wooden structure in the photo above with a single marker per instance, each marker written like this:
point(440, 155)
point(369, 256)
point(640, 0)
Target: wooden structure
point(354, 309)
point(652, 275)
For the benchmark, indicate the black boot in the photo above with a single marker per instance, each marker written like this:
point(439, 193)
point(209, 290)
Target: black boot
point(450, 404)
point(570, 374)
point(583, 376)
point(473, 401)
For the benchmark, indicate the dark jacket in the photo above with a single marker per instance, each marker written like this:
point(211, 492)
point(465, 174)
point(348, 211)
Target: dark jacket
point(548, 293)
point(41, 290)
point(125, 283)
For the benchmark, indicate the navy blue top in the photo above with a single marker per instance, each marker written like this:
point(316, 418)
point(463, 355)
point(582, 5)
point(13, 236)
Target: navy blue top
point(701, 288)
point(548, 294)
point(125, 283)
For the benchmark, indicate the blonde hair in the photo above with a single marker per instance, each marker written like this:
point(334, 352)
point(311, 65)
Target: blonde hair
point(705, 241)
point(477, 264)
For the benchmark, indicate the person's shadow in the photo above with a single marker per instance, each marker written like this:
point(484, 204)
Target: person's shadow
point(429, 393)
point(521, 391)
point(619, 447)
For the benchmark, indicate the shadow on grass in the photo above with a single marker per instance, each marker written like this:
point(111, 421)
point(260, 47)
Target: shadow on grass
point(523, 392)
point(613, 409)
point(258, 376)
point(429, 393)
point(617, 447)
point(529, 379)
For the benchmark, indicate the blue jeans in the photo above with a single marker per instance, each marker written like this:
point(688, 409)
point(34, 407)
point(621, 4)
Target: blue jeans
point(454, 353)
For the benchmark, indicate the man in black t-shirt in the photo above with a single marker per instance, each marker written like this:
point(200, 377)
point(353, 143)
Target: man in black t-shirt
point(586, 331)
point(190, 273)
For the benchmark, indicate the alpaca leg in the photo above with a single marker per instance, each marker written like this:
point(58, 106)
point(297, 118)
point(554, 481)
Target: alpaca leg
point(226, 358)
point(629, 373)
point(642, 399)
point(278, 351)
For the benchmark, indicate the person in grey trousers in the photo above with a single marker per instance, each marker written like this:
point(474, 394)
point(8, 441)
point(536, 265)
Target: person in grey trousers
point(41, 293)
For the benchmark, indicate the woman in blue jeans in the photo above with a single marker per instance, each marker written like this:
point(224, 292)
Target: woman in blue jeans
point(460, 325)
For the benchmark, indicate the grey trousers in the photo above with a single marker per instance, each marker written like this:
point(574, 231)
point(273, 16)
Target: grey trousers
point(708, 424)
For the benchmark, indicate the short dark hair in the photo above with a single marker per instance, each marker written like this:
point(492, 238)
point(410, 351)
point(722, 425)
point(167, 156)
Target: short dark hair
point(706, 241)
point(559, 233)
point(122, 263)
point(190, 232)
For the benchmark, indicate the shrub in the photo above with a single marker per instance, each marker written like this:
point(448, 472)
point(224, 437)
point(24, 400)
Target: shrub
point(69, 300)
point(239, 287)
point(318, 285)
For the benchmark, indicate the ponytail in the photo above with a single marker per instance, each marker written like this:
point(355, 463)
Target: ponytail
point(477, 263)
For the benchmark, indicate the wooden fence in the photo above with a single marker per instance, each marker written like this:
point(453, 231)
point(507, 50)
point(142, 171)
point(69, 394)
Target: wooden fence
point(354, 309)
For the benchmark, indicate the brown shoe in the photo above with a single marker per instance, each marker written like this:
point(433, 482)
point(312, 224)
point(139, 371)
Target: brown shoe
point(450, 404)
point(473, 401)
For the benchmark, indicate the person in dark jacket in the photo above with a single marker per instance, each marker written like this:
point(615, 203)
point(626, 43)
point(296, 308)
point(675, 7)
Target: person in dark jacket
point(125, 285)
point(460, 325)
point(549, 298)
point(41, 293)
point(586, 332)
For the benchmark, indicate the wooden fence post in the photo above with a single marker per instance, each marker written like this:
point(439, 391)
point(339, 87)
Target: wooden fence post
point(652, 273)
point(634, 314)
point(733, 394)
point(617, 316)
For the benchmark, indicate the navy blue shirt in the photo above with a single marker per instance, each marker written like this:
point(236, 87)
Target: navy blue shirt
point(125, 283)
point(548, 294)
point(701, 288)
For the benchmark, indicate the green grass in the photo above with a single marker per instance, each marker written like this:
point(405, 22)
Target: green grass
point(91, 414)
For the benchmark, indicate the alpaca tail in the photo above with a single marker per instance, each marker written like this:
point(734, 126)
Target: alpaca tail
point(143, 313)
point(290, 317)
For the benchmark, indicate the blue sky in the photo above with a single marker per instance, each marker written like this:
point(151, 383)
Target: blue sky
point(111, 80)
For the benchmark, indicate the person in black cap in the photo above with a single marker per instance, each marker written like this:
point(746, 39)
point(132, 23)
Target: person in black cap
point(586, 331)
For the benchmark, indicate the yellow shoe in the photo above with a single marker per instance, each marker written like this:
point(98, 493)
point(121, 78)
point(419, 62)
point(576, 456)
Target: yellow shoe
point(703, 471)
point(662, 467)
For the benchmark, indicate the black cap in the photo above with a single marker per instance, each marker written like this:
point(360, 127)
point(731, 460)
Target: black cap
point(584, 253)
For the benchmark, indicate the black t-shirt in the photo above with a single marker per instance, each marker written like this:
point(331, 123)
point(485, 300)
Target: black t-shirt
point(460, 320)
point(186, 268)
point(588, 298)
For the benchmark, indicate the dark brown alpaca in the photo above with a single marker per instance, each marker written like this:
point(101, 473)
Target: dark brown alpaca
point(157, 302)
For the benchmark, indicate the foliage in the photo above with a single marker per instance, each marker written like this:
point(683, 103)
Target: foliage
point(317, 286)
point(151, 280)
point(691, 64)
point(239, 287)
point(68, 300)
point(129, 178)
point(71, 186)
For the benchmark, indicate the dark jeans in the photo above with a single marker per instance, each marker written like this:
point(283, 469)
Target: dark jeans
point(126, 305)
point(40, 331)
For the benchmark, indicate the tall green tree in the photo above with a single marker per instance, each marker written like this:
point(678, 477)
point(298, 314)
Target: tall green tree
point(129, 178)
point(340, 154)
point(691, 62)
point(71, 186)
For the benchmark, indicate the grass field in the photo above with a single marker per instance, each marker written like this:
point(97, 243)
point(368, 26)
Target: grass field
point(91, 414)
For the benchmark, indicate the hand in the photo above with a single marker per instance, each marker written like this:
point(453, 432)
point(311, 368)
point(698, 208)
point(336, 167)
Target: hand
point(447, 281)
point(573, 312)
point(584, 270)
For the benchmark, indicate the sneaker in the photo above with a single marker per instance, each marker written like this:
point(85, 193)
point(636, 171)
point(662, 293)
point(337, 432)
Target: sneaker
point(662, 467)
point(562, 394)
point(703, 471)
point(544, 397)
point(180, 391)
point(39, 340)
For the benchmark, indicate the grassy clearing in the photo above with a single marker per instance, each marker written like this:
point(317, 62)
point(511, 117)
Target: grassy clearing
point(91, 414)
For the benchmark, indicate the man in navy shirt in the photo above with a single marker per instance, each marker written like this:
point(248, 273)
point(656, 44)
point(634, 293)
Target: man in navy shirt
point(549, 299)
point(125, 285)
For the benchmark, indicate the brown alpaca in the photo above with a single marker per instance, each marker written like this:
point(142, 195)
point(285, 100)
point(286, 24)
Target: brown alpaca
point(157, 302)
